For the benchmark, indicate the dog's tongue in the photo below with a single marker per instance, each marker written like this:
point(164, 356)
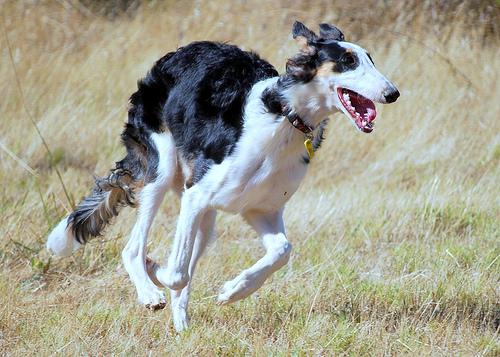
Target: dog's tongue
point(363, 106)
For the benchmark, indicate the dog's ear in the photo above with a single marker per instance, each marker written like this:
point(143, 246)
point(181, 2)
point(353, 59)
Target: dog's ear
point(330, 32)
point(301, 67)
point(304, 37)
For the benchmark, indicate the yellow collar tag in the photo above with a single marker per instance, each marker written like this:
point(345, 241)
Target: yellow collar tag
point(309, 148)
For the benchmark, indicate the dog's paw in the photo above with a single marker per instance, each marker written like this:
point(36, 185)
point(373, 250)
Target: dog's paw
point(174, 280)
point(234, 290)
point(180, 319)
point(153, 299)
point(158, 305)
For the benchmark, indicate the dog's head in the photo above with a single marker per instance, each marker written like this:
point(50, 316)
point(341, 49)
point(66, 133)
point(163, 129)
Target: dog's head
point(342, 73)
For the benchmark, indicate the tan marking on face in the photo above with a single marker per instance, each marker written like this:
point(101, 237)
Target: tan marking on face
point(303, 45)
point(325, 69)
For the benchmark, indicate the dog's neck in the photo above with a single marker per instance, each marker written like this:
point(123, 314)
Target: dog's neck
point(308, 102)
point(302, 103)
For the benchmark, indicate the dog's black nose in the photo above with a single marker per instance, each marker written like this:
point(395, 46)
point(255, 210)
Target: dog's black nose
point(391, 96)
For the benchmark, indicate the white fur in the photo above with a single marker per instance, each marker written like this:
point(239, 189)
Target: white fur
point(180, 298)
point(61, 241)
point(151, 196)
point(271, 229)
point(365, 79)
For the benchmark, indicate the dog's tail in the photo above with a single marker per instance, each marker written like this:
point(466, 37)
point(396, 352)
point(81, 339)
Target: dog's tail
point(92, 215)
point(118, 189)
point(96, 210)
point(108, 196)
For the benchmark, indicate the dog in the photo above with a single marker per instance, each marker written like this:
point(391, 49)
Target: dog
point(221, 128)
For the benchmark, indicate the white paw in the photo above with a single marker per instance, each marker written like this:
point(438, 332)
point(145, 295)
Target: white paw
point(180, 318)
point(174, 280)
point(153, 298)
point(236, 289)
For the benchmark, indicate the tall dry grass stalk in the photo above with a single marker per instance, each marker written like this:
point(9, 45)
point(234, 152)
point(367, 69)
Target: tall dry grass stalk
point(396, 234)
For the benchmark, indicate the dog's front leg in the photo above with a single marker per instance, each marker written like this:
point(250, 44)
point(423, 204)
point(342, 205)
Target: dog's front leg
point(180, 298)
point(176, 275)
point(270, 228)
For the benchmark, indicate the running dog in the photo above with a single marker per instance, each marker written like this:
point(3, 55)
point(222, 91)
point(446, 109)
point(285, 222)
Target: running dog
point(221, 128)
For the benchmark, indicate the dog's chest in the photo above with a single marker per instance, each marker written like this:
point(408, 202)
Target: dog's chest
point(254, 181)
point(265, 168)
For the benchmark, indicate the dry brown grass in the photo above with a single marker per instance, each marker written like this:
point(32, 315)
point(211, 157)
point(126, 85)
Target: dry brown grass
point(396, 234)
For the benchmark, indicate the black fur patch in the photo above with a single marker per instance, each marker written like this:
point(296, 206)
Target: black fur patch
point(147, 102)
point(300, 30)
point(204, 106)
point(319, 136)
point(344, 59)
point(198, 93)
point(302, 67)
point(273, 100)
point(330, 32)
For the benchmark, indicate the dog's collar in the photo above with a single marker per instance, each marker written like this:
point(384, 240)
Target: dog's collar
point(296, 120)
point(299, 124)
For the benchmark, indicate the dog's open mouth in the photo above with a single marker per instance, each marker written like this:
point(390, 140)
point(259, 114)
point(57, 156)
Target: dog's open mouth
point(361, 109)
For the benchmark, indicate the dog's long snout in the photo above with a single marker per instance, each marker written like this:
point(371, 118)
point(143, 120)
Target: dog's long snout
point(391, 95)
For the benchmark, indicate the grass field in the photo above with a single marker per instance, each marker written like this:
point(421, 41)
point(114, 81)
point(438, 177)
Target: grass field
point(396, 234)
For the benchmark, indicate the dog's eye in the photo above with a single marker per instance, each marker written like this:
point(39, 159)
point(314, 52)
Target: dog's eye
point(348, 59)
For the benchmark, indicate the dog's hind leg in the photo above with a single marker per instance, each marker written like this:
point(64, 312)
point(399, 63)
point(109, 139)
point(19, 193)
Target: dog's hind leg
point(194, 204)
point(270, 228)
point(149, 200)
point(180, 298)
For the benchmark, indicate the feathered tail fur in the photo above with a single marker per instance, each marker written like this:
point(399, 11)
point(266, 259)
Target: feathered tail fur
point(117, 190)
point(108, 196)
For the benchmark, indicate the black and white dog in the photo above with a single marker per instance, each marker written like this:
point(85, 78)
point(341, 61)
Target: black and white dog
point(220, 127)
